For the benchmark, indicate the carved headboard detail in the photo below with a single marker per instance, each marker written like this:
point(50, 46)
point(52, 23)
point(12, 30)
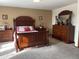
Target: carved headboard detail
point(24, 21)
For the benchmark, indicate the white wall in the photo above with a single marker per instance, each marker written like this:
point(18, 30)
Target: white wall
point(77, 24)
point(73, 8)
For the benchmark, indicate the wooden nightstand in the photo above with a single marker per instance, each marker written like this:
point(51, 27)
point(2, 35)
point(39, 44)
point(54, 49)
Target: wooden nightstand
point(6, 35)
point(40, 29)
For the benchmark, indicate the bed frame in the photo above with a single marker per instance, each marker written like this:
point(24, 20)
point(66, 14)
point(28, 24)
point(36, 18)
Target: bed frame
point(32, 39)
point(24, 21)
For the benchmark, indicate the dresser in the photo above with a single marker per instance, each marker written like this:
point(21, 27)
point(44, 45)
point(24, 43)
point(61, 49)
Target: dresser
point(78, 43)
point(64, 33)
point(6, 35)
point(78, 40)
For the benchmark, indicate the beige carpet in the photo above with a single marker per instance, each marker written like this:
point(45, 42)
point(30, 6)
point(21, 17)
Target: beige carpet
point(56, 50)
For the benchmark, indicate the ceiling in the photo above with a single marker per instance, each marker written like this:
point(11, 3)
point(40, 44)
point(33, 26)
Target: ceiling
point(44, 4)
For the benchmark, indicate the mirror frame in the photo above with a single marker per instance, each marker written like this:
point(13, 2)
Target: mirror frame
point(66, 12)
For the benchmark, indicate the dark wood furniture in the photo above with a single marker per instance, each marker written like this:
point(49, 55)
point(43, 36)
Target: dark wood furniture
point(78, 40)
point(40, 29)
point(31, 39)
point(78, 43)
point(64, 33)
point(6, 35)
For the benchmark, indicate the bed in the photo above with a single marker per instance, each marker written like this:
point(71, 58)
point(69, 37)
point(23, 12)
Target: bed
point(25, 34)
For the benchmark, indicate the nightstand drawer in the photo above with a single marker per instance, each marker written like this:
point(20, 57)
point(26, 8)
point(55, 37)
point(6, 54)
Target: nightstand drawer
point(6, 35)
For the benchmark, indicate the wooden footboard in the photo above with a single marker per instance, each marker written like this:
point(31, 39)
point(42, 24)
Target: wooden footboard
point(32, 39)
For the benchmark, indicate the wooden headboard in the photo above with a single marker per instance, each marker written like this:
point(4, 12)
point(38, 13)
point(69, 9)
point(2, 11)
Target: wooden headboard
point(24, 21)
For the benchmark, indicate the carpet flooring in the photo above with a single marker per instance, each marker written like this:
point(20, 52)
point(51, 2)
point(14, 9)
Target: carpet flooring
point(56, 50)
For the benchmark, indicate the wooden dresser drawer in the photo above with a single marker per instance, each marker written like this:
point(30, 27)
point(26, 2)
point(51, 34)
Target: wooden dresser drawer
point(6, 35)
point(64, 33)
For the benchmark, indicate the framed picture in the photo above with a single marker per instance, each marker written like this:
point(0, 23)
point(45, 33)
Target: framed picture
point(40, 17)
point(4, 16)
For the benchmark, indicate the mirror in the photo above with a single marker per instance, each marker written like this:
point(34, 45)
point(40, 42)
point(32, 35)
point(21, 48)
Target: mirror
point(64, 17)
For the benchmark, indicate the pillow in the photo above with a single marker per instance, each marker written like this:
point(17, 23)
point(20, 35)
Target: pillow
point(31, 28)
point(25, 28)
point(20, 28)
